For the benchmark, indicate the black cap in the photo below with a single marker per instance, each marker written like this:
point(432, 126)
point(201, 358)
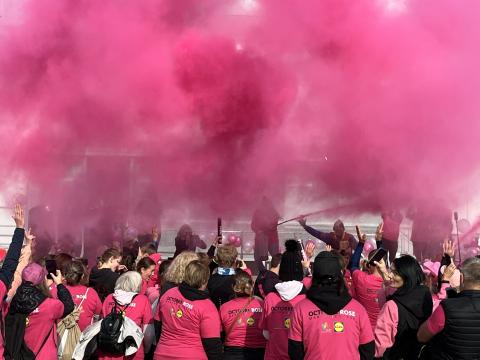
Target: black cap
point(326, 265)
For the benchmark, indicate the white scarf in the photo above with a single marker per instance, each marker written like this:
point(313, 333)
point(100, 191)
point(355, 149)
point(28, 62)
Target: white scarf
point(123, 297)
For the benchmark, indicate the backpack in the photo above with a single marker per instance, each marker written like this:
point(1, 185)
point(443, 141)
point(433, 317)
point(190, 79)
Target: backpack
point(107, 338)
point(69, 332)
point(15, 346)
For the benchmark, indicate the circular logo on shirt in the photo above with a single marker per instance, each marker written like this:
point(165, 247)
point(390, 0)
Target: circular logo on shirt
point(286, 323)
point(179, 314)
point(250, 321)
point(338, 326)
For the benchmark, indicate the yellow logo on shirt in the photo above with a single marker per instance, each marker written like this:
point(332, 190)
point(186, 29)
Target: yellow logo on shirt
point(286, 323)
point(338, 326)
point(179, 314)
point(250, 321)
point(27, 321)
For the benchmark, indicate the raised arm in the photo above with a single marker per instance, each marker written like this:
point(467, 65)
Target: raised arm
point(13, 254)
point(325, 237)
point(357, 254)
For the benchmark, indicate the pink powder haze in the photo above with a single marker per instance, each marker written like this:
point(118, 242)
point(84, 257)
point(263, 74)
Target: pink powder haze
point(373, 102)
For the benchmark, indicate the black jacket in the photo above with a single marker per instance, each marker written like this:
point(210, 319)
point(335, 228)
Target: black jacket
point(11, 258)
point(414, 307)
point(103, 281)
point(220, 288)
point(265, 283)
point(460, 337)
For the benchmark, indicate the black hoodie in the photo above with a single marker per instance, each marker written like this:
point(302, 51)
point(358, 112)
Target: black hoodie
point(327, 298)
point(103, 281)
point(414, 307)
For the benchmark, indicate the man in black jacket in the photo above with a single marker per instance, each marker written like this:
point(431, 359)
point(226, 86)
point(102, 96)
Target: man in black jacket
point(220, 284)
point(453, 330)
point(267, 279)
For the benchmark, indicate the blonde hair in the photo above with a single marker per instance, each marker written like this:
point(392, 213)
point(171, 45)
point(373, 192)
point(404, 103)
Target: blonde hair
point(226, 255)
point(130, 281)
point(243, 284)
point(196, 274)
point(176, 270)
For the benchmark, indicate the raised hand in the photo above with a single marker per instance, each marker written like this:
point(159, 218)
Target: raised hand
point(449, 248)
point(243, 265)
point(18, 216)
point(57, 278)
point(302, 221)
point(29, 237)
point(449, 271)
point(379, 232)
point(328, 248)
point(361, 237)
point(382, 267)
point(309, 250)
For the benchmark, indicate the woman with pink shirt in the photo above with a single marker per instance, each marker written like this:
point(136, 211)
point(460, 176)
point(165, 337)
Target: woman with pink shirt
point(279, 304)
point(11, 259)
point(136, 307)
point(190, 320)
point(33, 314)
point(368, 285)
point(405, 310)
point(87, 297)
point(241, 322)
point(146, 268)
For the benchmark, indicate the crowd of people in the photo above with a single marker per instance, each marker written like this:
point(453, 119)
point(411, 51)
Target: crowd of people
point(334, 304)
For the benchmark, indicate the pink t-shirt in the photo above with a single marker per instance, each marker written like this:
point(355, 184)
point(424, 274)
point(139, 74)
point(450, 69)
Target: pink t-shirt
point(39, 323)
point(3, 291)
point(90, 306)
point(436, 322)
point(247, 331)
point(139, 311)
point(386, 328)
point(276, 320)
point(152, 293)
point(330, 337)
point(144, 288)
point(368, 288)
point(184, 324)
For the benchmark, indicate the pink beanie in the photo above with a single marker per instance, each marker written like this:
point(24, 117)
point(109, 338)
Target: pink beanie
point(34, 273)
point(430, 267)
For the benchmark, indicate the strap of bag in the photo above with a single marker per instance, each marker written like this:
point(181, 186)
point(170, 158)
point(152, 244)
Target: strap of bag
point(238, 316)
point(44, 341)
point(124, 306)
point(84, 297)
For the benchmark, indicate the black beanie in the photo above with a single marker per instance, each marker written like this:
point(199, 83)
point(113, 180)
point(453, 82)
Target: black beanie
point(291, 264)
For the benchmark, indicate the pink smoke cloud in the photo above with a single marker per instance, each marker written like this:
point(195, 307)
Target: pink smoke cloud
point(221, 101)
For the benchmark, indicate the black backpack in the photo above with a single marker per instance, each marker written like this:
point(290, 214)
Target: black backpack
point(107, 338)
point(15, 346)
